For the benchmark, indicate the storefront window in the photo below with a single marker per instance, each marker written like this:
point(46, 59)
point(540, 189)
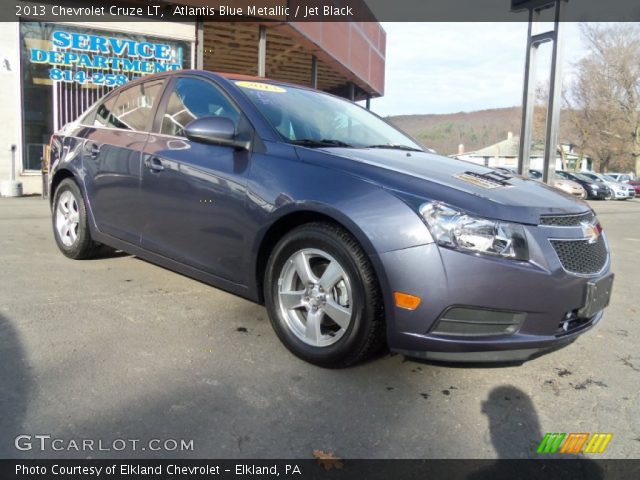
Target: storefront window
point(65, 69)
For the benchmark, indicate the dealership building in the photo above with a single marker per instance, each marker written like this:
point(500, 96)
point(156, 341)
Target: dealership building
point(52, 71)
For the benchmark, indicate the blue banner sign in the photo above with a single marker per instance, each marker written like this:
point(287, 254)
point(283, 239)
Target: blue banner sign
point(104, 60)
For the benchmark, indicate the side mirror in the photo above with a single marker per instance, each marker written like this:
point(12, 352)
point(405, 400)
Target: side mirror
point(215, 130)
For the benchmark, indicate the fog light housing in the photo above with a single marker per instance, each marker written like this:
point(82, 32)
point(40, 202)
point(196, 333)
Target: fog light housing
point(476, 322)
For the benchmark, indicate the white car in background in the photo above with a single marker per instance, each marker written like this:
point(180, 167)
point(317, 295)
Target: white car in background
point(619, 190)
point(621, 177)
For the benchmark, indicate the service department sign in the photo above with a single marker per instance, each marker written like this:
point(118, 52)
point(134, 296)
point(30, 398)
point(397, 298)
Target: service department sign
point(104, 60)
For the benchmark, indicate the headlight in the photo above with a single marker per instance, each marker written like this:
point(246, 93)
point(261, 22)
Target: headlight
point(455, 229)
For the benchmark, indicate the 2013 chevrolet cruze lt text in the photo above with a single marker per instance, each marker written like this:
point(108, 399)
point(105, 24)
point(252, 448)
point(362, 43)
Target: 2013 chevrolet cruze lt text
point(348, 231)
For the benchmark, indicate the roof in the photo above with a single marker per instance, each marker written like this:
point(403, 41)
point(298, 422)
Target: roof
point(505, 148)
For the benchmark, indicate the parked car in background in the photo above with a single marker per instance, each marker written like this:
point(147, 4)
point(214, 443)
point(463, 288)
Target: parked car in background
point(622, 177)
point(567, 186)
point(627, 178)
point(619, 190)
point(570, 187)
point(636, 186)
point(351, 234)
point(596, 190)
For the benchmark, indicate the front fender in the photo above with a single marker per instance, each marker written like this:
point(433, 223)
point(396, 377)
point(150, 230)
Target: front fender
point(376, 217)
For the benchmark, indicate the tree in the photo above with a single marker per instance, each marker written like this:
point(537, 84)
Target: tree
point(604, 99)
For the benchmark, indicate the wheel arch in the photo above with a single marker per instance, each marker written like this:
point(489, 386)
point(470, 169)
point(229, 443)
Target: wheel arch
point(293, 219)
point(58, 177)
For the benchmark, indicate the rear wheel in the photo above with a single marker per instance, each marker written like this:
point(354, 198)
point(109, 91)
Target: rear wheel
point(70, 226)
point(323, 297)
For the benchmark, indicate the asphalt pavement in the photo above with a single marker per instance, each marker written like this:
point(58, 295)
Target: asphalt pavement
point(117, 351)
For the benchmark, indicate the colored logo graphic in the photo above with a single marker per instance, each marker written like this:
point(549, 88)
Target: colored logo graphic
point(574, 443)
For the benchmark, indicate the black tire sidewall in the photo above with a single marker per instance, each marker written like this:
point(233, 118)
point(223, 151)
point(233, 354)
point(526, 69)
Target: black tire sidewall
point(358, 330)
point(83, 245)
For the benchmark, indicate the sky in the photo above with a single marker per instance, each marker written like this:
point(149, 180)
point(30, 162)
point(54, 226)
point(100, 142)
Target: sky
point(454, 67)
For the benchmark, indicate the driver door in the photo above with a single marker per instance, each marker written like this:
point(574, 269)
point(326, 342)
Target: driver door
point(194, 193)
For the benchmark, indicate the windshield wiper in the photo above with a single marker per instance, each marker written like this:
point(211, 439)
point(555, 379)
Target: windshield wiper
point(324, 142)
point(395, 147)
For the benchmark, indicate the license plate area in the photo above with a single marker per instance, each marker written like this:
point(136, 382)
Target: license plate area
point(597, 296)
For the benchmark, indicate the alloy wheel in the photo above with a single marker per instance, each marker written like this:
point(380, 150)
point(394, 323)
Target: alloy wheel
point(67, 218)
point(315, 297)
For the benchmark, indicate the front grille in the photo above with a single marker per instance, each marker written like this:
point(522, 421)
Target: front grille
point(567, 220)
point(580, 256)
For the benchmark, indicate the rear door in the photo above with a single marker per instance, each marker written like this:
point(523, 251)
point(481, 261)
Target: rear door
point(112, 158)
point(195, 193)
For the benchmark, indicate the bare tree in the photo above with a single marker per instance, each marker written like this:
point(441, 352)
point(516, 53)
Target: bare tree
point(604, 100)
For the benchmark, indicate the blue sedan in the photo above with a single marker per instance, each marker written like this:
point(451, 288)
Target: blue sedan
point(349, 232)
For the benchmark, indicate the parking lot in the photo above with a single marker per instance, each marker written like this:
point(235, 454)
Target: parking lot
point(117, 348)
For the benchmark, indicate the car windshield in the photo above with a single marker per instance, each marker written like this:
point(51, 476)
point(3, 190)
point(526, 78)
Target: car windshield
point(609, 178)
point(315, 119)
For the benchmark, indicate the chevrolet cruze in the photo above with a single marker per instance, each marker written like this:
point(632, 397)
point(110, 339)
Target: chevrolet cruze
point(350, 233)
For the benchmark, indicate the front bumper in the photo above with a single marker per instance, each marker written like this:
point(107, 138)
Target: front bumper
point(623, 194)
point(540, 289)
point(599, 194)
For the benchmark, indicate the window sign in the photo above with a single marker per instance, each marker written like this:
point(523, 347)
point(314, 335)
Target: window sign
point(103, 59)
point(66, 68)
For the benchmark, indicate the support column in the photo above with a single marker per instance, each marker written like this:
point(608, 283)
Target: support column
point(262, 51)
point(199, 45)
point(528, 98)
point(314, 71)
point(555, 92)
point(368, 103)
point(555, 87)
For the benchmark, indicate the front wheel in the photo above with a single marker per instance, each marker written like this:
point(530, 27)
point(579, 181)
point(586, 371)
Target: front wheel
point(323, 297)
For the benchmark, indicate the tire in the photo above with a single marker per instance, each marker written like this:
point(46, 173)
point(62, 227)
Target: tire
point(333, 320)
point(70, 226)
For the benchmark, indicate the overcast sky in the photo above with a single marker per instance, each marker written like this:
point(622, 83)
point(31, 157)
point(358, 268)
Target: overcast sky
point(453, 67)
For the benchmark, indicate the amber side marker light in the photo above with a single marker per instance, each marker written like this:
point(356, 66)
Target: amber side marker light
point(406, 301)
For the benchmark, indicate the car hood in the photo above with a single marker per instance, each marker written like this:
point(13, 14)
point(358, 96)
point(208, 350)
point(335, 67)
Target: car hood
point(419, 176)
point(567, 183)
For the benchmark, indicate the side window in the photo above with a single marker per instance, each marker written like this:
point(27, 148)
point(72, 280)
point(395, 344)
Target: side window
point(134, 107)
point(193, 98)
point(103, 113)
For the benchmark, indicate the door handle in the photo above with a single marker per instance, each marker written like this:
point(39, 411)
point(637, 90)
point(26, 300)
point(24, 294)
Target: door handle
point(155, 164)
point(94, 150)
